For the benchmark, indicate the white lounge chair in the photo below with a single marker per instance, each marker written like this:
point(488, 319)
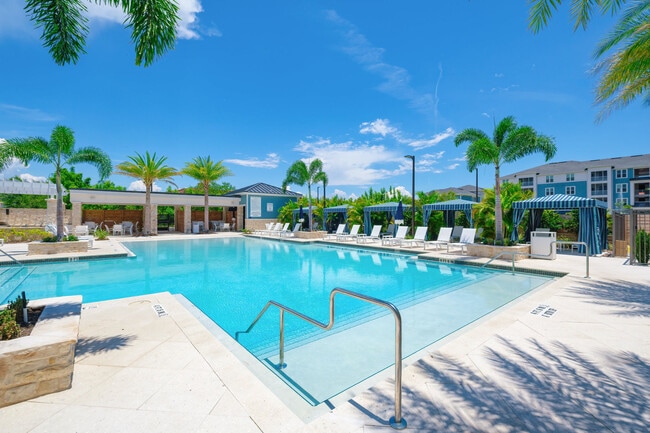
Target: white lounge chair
point(81, 230)
point(444, 237)
point(344, 237)
point(399, 236)
point(455, 234)
point(339, 231)
point(466, 238)
point(127, 226)
point(419, 238)
point(282, 229)
point(362, 238)
point(292, 233)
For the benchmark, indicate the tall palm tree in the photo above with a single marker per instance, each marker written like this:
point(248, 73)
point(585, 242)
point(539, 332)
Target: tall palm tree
point(509, 143)
point(64, 23)
point(205, 171)
point(148, 169)
point(300, 174)
point(59, 151)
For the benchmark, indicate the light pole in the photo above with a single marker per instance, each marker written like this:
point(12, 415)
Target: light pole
point(412, 158)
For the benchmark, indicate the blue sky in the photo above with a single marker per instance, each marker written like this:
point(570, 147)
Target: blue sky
point(357, 84)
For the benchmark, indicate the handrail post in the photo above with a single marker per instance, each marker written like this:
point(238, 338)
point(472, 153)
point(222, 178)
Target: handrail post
point(281, 364)
point(587, 259)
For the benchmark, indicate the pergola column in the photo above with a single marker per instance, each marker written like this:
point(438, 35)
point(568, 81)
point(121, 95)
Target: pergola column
point(76, 213)
point(187, 219)
point(154, 218)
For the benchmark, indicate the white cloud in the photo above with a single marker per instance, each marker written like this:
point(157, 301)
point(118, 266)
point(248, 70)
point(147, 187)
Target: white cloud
point(418, 144)
point(452, 166)
point(379, 126)
point(26, 177)
point(14, 22)
point(33, 114)
point(402, 190)
point(499, 75)
point(272, 160)
point(486, 115)
point(138, 185)
point(340, 193)
point(13, 168)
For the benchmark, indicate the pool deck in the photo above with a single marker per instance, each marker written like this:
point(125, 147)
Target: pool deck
point(586, 367)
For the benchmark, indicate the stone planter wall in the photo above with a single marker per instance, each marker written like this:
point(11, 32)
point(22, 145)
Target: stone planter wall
point(43, 362)
point(480, 250)
point(34, 248)
point(310, 235)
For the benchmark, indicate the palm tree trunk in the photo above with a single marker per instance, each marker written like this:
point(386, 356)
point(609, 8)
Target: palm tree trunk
point(59, 207)
point(498, 211)
point(147, 211)
point(309, 204)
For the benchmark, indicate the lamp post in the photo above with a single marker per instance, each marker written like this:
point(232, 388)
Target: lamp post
point(317, 194)
point(412, 158)
point(477, 200)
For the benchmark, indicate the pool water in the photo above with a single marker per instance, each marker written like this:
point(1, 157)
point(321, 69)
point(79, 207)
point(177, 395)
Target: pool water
point(231, 279)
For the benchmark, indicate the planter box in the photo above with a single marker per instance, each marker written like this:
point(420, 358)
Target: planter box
point(310, 235)
point(480, 250)
point(43, 362)
point(34, 248)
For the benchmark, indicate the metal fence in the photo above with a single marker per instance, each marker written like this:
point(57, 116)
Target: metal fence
point(631, 235)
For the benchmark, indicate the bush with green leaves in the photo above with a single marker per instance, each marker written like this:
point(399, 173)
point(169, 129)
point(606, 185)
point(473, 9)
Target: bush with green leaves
point(642, 247)
point(101, 234)
point(17, 305)
point(9, 328)
point(17, 235)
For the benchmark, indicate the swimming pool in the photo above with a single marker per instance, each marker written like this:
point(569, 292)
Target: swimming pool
point(231, 279)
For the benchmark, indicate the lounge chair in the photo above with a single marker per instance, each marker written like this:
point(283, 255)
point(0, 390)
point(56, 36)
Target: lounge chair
point(81, 230)
point(419, 238)
point(118, 228)
point(455, 234)
point(466, 238)
point(344, 237)
point(444, 237)
point(390, 231)
point(92, 226)
point(127, 226)
point(339, 231)
point(282, 229)
point(399, 236)
point(292, 233)
point(479, 232)
point(362, 238)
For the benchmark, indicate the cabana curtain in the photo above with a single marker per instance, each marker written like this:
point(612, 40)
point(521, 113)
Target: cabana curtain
point(390, 208)
point(450, 208)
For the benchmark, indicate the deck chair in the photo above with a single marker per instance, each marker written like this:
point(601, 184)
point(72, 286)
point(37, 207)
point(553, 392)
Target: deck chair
point(466, 238)
point(292, 233)
point(390, 231)
point(344, 237)
point(444, 237)
point(419, 237)
point(339, 231)
point(280, 230)
point(127, 226)
point(455, 234)
point(479, 232)
point(362, 238)
point(399, 236)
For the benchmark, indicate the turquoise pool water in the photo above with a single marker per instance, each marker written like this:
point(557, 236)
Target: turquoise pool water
point(231, 279)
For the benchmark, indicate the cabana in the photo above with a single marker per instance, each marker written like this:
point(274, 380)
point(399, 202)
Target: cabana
point(390, 208)
point(342, 210)
point(450, 208)
point(592, 217)
point(295, 215)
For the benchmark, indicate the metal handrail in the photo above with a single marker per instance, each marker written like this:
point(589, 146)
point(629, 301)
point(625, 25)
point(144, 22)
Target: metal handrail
point(397, 422)
point(542, 256)
point(18, 262)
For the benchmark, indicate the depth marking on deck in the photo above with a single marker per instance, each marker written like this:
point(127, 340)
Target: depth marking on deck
point(159, 309)
point(544, 311)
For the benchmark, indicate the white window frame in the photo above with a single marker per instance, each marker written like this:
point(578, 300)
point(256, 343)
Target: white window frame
point(623, 200)
point(621, 173)
point(549, 191)
point(570, 177)
point(621, 188)
point(570, 190)
point(549, 178)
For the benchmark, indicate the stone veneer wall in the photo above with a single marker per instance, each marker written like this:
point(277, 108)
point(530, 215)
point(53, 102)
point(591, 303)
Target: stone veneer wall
point(57, 247)
point(43, 362)
point(31, 217)
point(482, 250)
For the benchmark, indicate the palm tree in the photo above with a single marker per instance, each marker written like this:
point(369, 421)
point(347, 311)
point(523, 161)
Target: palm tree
point(205, 171)
point(149, 169)
point(510, 142)
point(59, 151)
point(152, 23)
point(485, 210)
point(625, 71)
point(300, 174)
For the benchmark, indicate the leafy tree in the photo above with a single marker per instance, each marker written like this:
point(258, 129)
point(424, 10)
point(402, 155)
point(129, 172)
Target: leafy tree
point(299, 174)
point(206, 172)
point(59, 151)
point(484, 212)
point(509, 143)
point(148, 168)
point(65, 27)
point(71, 179)
point(624, 54)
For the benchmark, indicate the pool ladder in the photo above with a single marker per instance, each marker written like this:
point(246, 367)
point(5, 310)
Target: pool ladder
point(397, 422)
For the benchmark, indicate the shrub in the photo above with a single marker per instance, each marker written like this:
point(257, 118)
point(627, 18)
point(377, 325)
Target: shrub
point(49, 238)
point(101, 234)
point(642, 247)
point(17, 305)
point(70, 238)
point(9, 328)
point(15, 235)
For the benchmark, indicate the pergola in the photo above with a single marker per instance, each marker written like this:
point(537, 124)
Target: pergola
point(341, 209)
point(592, 217)
point(390, 208)
point(450, 208)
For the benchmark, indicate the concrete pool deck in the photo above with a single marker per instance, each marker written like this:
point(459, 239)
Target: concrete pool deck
point(586, 367)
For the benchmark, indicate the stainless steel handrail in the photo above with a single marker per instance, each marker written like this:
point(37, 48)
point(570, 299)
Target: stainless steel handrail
point(542, 256)
point(12, 258)
point(397, 422)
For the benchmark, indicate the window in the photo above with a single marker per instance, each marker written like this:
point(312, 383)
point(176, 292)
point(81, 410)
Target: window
point(526, 181)
point(622, 202)
point(599, 176)
point(549, 178)
point(549, 191)
point(570, 177)
point(621, 174)
point(621, 188)
point(570, 190)
point(641, 172)
point(598, 189)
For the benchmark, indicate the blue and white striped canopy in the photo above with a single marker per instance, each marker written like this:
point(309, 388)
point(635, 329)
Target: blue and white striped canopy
point(450, 206)
point(391, 208)
point(336, 209)
point(558, 202)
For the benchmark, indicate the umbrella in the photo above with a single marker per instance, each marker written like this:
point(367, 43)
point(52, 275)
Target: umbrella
point(301, 218)
point(399, 214)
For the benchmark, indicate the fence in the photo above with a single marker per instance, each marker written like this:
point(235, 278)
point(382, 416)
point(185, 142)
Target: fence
point(631, 234)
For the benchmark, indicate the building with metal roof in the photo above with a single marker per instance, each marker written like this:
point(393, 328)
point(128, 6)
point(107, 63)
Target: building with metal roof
point(261, 203)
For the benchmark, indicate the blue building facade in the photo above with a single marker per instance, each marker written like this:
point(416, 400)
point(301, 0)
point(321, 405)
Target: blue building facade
point(262, 203)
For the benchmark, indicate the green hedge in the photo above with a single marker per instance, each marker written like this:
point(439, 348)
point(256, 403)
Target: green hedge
point(16, 235)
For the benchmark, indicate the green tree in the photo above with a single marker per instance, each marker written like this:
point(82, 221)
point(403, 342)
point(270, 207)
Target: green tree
point(509, 143)
point(65, 27)
point(484, 212)
point(206, 171)
point(299, 174)
point(59, 151)
point(148, 168)
point(623, 56)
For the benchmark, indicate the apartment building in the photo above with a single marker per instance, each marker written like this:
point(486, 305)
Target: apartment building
point(616, 181)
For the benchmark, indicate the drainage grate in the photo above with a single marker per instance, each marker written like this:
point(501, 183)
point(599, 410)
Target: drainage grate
point(159, 309)
point(543, 310)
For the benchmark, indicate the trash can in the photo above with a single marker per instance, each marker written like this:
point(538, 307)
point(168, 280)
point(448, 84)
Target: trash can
point(541, 243)
point(196, 228)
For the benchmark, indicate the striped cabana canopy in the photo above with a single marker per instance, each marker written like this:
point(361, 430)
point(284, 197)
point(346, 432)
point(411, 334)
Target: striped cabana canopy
point(450, 208)
point(341, 209)
point(592, 217)
point(390, 208)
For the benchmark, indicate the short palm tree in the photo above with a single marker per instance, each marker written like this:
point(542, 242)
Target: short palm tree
point(509, 143)
point(59, 151)
point(148, 168)
point(205, 171)
point(300, 174)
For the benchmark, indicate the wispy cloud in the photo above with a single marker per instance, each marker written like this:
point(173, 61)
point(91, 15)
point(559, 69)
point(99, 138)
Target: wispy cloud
point(379, 126)
point(418, 144)
point(138, 185)
point(499, 75)
point(396, 79)
point(271, 161)
point(33, 114)
point(382, 127)
point(13, 21)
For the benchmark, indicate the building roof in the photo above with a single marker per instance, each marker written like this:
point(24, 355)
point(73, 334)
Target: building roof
point(262, 188)
point(461, 190)
point(563, 167)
